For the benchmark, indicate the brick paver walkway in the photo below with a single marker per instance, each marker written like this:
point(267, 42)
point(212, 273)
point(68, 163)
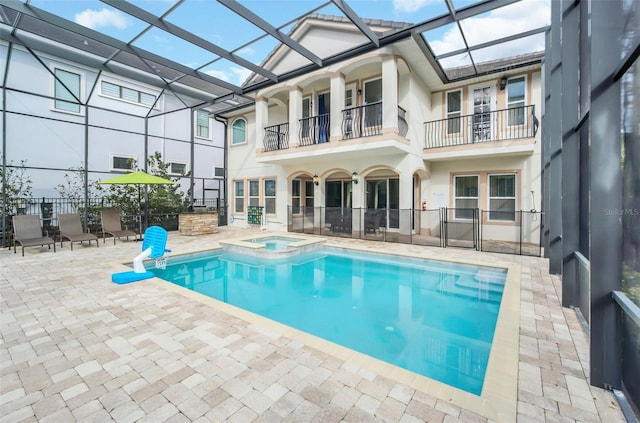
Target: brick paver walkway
point(76, 347)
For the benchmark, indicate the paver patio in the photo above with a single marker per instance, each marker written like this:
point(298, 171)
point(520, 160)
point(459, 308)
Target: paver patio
point(76, 347)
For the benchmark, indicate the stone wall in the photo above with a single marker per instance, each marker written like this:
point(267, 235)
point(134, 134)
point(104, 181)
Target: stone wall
point(198, 223)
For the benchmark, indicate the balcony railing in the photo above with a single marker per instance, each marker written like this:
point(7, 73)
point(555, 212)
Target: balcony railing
point(403, 127)
point(362, 121)
point(499, 125)
point(276, 137)
point(314, 129)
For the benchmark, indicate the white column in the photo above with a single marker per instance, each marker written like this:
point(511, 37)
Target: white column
point(406, 194)
point(337, 104)
point(389, 94)
point(295, 114)
point(262, 120)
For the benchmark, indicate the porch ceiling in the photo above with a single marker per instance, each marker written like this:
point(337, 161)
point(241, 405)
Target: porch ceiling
point(47, 27)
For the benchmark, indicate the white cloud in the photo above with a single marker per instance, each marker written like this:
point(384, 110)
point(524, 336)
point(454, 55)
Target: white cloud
point(247, 51)
point(513, 19)
point(102, 19)
point(409, 6)
point(240, 74)
point(223, 75)
point(233, 75)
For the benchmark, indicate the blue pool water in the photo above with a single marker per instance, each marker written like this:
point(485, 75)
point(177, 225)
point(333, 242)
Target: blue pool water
point(432, 318)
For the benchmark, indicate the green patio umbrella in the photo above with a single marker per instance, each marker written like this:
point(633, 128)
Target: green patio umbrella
point(138, 178)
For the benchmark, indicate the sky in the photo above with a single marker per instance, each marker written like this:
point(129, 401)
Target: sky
point(214, 22)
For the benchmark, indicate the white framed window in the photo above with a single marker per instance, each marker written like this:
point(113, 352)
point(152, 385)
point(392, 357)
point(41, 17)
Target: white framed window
point(238, 193)
point(295, 196)
point(66, 91)
point(308, 196)
point(373, 100)
point(270, 196)
point(502, 197)
point(177, 168)
point(121, 162)
point(516, 101)
point(454, 112)
point(239, 131)
point(120, 92)
point(465, 195)
point(254, 193)
point(218, 172)
point(202, 124)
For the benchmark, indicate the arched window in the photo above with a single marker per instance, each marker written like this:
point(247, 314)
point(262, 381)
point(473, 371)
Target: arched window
point(239, 131)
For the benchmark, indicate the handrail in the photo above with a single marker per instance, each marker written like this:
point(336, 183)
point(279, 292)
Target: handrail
point(276, 137)
point(362, 121)
point(628, 306)
point(497, 125)
point(314, 129)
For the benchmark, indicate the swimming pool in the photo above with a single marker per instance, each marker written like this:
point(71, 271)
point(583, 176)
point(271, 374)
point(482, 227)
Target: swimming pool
point(433, 318)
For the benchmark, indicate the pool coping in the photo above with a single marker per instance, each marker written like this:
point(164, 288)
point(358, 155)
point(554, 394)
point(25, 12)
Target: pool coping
point(498, 400)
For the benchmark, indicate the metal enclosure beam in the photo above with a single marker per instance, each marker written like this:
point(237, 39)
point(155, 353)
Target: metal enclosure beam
point(545, 147)
point(554, 205)
point(570, 153)
point(90, 34)
point(606, 194)
point(268, 28)
point(355, 19)
point(172, 29)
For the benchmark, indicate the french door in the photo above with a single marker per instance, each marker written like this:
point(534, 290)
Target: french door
point(482, 103)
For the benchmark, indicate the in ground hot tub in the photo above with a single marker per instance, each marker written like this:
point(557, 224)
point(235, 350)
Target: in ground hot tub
point(272, 246)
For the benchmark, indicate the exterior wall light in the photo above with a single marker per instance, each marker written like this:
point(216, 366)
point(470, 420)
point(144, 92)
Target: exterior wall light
point(354, 177)
point(316, 180)
point(503, 83)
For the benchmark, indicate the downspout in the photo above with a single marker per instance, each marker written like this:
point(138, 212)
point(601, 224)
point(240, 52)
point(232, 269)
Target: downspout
point(222, 214)
point(192, 158)
point(146, 169)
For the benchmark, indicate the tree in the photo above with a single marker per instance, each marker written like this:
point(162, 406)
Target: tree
point(17, 186)
point(165, 198)
point(73, 188)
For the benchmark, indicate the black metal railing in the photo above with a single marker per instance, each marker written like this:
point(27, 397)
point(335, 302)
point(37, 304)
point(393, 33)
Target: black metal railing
point(442, 227)
point(403, 126)
point(276, 137)
point(314, 129)
point(499, 125)
point(362, 121)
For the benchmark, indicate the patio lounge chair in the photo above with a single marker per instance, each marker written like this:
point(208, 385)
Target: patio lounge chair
point(28, 233)
point(112, 225)
point(71, 229)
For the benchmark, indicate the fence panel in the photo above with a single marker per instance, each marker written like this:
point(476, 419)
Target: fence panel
point(511, 232)
point(428, 228)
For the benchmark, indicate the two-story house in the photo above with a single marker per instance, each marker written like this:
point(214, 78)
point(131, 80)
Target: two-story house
point(380, 142)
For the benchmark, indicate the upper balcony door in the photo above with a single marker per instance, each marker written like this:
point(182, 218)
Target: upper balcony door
point(314, 125)
point(482, 99)
point(324, 116)
point(349, 113)
point(305, 123)
point(373, 104)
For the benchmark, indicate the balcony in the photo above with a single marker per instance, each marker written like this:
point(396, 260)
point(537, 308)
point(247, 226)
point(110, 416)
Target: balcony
point(357, 122)
point(362, 121)
point(500, 125)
